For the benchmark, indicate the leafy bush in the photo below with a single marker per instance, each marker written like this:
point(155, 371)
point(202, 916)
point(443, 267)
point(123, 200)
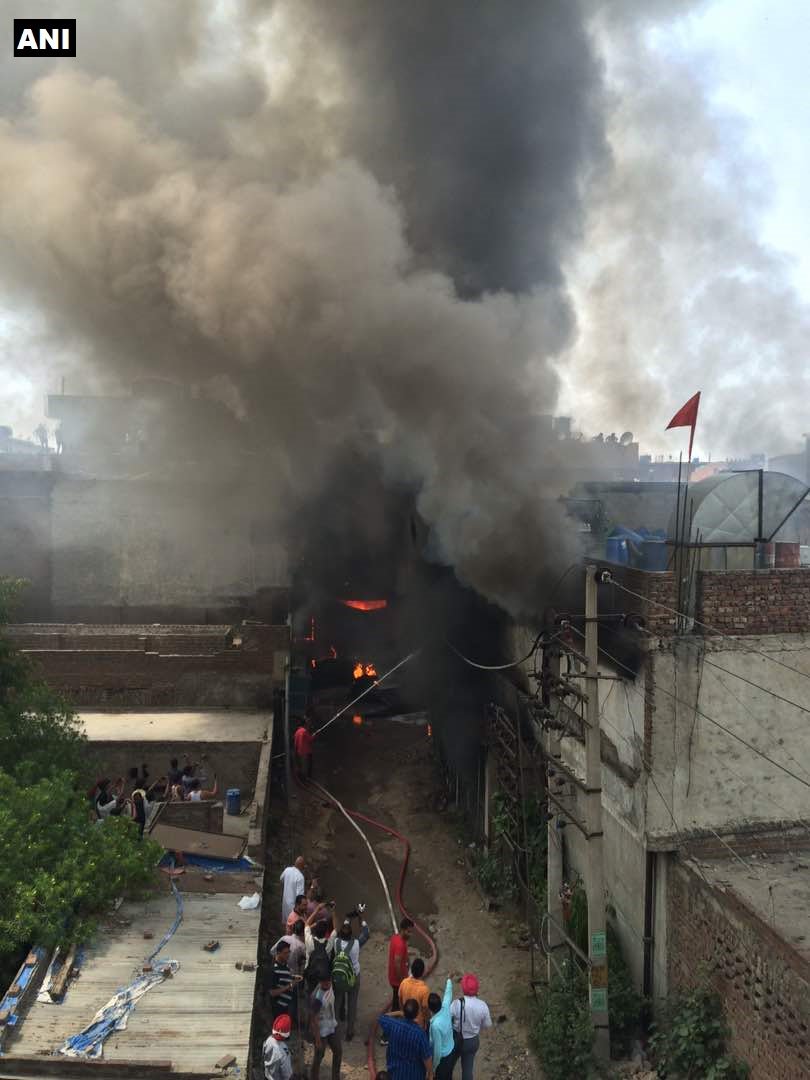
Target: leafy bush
point(496, 876)
point(59, 871)
point(561, 1033)
point(690, 1041)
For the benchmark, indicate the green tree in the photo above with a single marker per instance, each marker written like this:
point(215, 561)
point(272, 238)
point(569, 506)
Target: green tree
point(38, 730)
point(59, 870)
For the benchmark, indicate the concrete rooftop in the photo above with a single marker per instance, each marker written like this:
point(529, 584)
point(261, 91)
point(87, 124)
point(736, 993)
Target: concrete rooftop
point(201, 725)
point(774, 885)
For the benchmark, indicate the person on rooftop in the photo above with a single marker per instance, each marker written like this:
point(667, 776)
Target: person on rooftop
point(141, 806)
point(197, 793)
point(109, 800)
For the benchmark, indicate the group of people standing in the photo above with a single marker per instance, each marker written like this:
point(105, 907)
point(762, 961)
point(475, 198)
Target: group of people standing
point(425, 1034)
point(314, 980)
point(135, 797)
point(314, 986)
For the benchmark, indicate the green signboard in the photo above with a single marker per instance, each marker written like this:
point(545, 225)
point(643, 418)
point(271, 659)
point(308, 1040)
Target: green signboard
point(599, 1001)
point(599, 943)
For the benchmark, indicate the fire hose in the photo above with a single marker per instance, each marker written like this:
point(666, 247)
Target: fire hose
point(434, 952)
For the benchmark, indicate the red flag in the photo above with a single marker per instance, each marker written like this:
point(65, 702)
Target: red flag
point(686, 416)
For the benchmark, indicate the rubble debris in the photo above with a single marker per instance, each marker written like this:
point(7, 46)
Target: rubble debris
point(211, 946)
point(225, 1062)
point(148, 935)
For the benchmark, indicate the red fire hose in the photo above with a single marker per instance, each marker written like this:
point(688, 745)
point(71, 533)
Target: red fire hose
point(434, 952)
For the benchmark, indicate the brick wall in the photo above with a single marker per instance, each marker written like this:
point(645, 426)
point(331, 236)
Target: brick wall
point(177, 640)
point(764, 985)
point(105, 669)
point(653, 589)
point(755, 601)
point(206, 815)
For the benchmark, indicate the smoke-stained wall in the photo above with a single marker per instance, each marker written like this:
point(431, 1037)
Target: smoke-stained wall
point(119, 543)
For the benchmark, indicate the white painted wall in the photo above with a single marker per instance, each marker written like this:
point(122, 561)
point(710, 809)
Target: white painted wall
point(708, 778)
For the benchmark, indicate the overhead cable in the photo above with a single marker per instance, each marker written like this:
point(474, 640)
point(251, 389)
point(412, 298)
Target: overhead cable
point(711, 719)
point(707, 626)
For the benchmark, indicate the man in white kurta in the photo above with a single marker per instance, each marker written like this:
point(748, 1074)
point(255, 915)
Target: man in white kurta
point(292, 885)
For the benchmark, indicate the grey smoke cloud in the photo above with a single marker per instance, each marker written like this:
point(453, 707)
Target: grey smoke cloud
point(673, 289)
point(345, 240)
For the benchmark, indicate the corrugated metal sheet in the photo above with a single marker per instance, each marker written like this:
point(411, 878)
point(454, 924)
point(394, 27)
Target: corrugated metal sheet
point(192, 1019)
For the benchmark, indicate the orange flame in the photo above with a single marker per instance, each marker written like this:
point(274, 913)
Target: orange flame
point(366, 605)
point(361, 669)
point(357, 720)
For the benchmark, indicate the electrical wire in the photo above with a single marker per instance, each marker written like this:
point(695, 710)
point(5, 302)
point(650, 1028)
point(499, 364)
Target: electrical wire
point(512, 663)
point(497, 667)
point(705, 715)
point(679, 831)
point(734, 675)
point(707, 626)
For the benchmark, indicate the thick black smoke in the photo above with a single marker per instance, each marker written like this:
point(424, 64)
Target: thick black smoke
point(485, 118)
point(358, 226)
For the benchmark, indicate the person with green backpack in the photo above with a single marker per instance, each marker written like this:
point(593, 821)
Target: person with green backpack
point(344, 949)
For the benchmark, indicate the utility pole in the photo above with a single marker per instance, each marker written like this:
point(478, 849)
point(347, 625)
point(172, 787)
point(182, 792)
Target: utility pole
point(554, 857)
point(597, 941)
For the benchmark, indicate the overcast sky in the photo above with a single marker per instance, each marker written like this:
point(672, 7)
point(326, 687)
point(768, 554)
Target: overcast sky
point(759, 66)
point(752, 56)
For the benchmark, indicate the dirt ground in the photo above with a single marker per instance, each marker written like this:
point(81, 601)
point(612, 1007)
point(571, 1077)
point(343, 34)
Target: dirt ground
point(384, 769)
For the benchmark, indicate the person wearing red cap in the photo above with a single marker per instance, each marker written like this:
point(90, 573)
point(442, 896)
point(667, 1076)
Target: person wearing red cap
point(469, 1014)
point(276, 1052)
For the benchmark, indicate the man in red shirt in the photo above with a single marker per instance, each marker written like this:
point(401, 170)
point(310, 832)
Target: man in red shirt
point(303, 742)
point(398, 968)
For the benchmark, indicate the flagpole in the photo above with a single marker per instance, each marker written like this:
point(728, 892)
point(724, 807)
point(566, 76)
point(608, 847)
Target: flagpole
point(677, 514)
point(684, 600)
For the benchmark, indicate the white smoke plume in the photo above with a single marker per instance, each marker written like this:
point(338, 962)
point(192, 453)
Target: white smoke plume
point(674, 291)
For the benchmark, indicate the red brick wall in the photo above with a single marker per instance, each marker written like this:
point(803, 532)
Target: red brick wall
point(764, 985)
point(755, 601)
point(655, 589)
point(102, 672)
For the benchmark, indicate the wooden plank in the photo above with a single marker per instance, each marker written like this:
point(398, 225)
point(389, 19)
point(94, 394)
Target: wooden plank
point(194, 842)
point(60, 982)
